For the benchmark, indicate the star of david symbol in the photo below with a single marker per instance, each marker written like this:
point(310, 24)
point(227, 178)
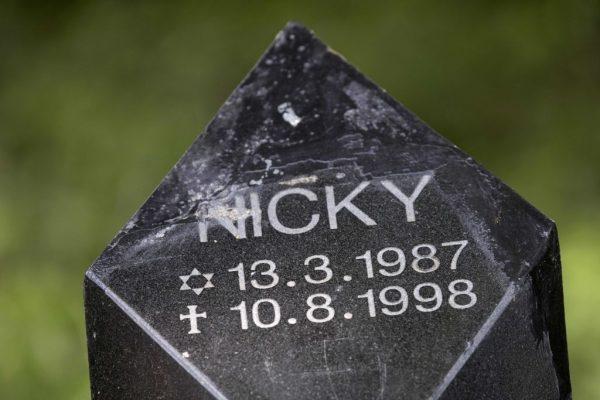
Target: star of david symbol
point(198, 290)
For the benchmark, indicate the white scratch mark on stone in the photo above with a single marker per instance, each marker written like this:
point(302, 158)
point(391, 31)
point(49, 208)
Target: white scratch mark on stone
point(234, 214)
point(268, 367)
point(382, 377)
point(288, 114)
point(161, 233)
point(299, 180)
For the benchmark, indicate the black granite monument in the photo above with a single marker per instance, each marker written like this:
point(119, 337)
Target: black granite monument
point(318, 241)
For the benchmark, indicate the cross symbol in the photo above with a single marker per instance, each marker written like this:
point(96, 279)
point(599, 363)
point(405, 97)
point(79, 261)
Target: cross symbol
point(193, 317)
point(197, 290)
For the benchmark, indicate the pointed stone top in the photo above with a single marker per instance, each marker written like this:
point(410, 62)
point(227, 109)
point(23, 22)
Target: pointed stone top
point(300, 101)
point(318, 241)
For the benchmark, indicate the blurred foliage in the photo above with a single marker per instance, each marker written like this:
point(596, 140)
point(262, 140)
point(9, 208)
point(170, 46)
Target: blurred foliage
point(98, 101)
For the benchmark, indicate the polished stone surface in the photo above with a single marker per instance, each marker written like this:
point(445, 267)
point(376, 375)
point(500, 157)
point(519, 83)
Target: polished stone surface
point(318, 241)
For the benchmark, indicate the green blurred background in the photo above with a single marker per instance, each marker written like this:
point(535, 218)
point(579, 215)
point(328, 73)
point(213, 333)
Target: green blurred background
point(99, 100)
